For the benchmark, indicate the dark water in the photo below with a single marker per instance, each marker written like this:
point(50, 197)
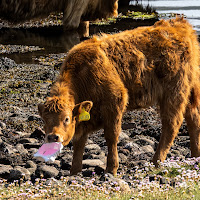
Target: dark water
point(189, 8)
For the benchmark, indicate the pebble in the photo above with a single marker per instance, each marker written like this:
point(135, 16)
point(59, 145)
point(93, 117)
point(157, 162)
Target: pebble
point(5, 171)
point(2, 125)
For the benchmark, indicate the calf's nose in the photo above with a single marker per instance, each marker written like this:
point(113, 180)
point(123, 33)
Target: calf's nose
point(52, 138)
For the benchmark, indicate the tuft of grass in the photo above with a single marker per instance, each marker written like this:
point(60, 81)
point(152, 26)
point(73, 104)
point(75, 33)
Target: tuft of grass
point(129, 15)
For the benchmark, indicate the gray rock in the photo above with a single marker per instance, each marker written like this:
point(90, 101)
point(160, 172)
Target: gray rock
point(90, 141)
point(2, 125)
point(1, 141)
point(32, 151)
point(101, 157)
point(148, 149)
point(92, 163)
point(7, 148)
point(28, 140)
point(19, 172)
point(48, 171)
point(87, 172)
point(133, 147)
point(124, 151)
point(32, 145)
point(144, 141)
point(53, 182)
point(90, 147)
point(123, 136)
point(122, 158)
point(123, 185)
point(31, 166)
point(22, 134)
point(20, 148)
point(34, 118)
point(5, 170)
point(56, 163)
point(138, 163)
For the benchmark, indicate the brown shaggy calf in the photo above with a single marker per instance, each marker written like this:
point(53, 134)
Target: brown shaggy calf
point(157, 65)
point(74, 11)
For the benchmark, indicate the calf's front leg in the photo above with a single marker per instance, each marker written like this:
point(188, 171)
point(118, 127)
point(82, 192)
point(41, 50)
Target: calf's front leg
point(78, 147)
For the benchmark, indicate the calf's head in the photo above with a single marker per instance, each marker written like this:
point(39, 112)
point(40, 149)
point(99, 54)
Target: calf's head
point(61, 118)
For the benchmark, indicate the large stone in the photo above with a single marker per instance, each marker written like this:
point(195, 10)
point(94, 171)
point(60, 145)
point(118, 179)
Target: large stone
point(31, 166)
point(7, 148)
point(28, 140)
point(92, 163)
point(148, 149)
point(117, 182)
point(144, 141)
point(48, 171)
point(2, 125)
point(20, 148)
point(123, 136)
point(133, 147)
point(38, 134)
point(90, 147)
point(18, 173)
point(122, 158)
point(5, 170)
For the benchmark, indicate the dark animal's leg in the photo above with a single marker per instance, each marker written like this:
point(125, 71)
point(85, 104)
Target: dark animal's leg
point(78, 147)
point(192, 117)
point(172, 118)
point(83, 29)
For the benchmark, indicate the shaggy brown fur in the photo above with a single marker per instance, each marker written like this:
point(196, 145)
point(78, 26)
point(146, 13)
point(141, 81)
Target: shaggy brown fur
point(157, 65)
point(74, 11)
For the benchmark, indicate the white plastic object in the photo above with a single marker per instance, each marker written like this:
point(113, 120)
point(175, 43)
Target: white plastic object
point(49, 151)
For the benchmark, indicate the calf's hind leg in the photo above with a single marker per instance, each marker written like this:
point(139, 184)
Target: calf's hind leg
point(192, 117)
point(172, 118)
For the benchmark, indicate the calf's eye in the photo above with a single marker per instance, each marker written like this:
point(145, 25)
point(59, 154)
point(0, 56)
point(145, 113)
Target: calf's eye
point(67, 120)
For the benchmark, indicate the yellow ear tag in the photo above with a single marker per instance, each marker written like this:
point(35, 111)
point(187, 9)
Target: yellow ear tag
point(84, 115)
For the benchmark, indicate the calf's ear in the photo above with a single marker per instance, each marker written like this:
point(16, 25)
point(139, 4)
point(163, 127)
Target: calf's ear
point(41, 109)
point(82, 108)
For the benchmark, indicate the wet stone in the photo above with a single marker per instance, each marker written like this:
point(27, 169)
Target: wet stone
point(123, 136)
point(144, 141)
point(122, 158)
point(5, 171)
point(48, 171)
point(87, 172)
point(92, 163)
point(20, 148)
point(32, 145)
point(90, 147)
point(34, 118)
point(148, 149)
point(53, 182)
point(28, 140)
point(18, 173)
point(7, 148)
point(38, 134)
point(2, 125)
